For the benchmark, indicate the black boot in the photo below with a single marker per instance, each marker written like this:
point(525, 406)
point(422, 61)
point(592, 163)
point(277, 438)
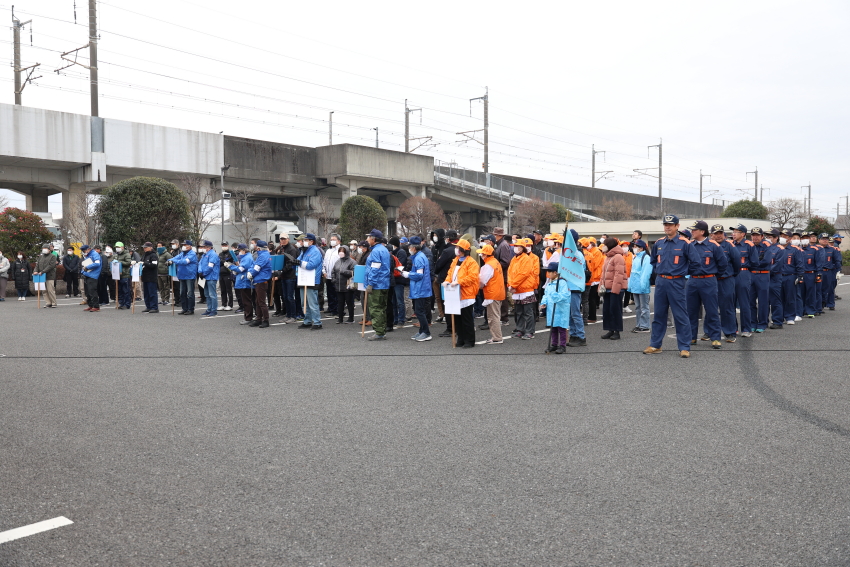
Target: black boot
point(608, 335)
point(550, 348)
point(560, 350)
point(615, 336)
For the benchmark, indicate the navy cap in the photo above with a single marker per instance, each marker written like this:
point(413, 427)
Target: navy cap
point(686, 233)
point(699, 225)
point(242, 246)
point(262, 244)
point(838, 236)
point(375, 233)
point(824, 235)
point(208, 243)
point(740, 227)
point(187, 243)
point(670, 219)
point(310, 236)
point(715, 228)
point(415, 241)
point(552, 267)
point(797, 233)
point(757, 230)
point(774, 232)
point(491, 238)
point(363, 243)
point(85, 247)
point(640, 243)
point(574, 232)
point(786, 232)
point(404, 240)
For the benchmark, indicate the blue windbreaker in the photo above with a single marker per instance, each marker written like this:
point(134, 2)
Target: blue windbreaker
point(641, 272)
point(187, 265)
point(312, 259)
point(262, 267)
point(240, 270)
point(557, 302)
point(378, 276)
point(420, 277)
point(209, 267)
point(93, 271)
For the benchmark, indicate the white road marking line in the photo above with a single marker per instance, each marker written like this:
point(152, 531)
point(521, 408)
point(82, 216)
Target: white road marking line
point(33, 529)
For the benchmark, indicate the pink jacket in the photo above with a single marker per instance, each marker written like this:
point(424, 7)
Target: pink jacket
point(614, 271)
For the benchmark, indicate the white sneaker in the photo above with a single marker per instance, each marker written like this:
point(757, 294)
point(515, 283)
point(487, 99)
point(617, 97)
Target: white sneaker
point(627, 310)
point(798, 318)
point(789, 322)
point(227, 309)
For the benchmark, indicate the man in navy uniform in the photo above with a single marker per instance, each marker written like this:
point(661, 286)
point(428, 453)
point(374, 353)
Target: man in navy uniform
point(773, 257)
point(790, 261)
point(706, 259)
point(797, 244)
point(669, 260)
point(725, 288)
point(831, 266)
point(746, 256)
point(760, 276)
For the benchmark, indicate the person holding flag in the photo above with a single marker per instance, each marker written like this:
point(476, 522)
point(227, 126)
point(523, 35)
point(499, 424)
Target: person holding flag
point(571, 267)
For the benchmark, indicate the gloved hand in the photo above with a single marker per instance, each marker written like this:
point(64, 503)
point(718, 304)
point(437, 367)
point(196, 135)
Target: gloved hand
point(227, 264)
point(798, 280)
point(304, 265)
point(368, 288)
point(250, 276)
point(187, 260)
point(133, 262)
point(405, 274)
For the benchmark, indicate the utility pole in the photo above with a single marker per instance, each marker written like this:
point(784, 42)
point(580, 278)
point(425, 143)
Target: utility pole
point(756, 172)
point(486, 99)
point(331, 128)
point(809, 187)
point(407, 138)
point(223, 169)
point(93, 56)
point(700, 184)
point(376, 135)
point(761, 193)
point(16, 33)
point(602, 174)
point(660, 193)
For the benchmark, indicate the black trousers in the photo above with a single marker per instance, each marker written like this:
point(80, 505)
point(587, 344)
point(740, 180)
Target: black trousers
point(465, 326)
point(104, 290)
point(277, 297)
point(612, 312)
point(90, 286)
point(226, 283)
point(345, 299)
point(331, 294)
point(72, 284)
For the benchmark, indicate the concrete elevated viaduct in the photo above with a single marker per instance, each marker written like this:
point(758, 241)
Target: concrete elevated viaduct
point(44, 152)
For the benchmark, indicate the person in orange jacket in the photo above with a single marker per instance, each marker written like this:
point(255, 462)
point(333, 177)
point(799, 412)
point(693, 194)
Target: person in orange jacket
point(464, 272)
point(594, 260)
point(492, 284)
point(523, 279)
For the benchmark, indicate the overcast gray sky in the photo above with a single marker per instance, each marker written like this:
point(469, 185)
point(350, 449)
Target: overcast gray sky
point(728, 85)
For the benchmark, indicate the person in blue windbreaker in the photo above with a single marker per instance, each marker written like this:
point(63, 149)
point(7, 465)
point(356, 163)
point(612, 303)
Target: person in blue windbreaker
point(187, 272)
point(420, 287)
point(639, 286)
point(311, 258)
point(91, 273)
point(378, 266)
point(209, 269)
point(556, 297)
point(260, 274)
point(240, 269)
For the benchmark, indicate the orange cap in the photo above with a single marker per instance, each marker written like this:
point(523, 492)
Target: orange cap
point(464, 244)
point(486, 249)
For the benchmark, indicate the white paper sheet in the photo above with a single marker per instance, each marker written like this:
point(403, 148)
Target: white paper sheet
point(116, 270)
point(306, 277)
point(136, 272)
point(452, 301)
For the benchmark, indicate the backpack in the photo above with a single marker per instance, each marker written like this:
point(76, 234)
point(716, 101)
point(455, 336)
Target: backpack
point(396, 263)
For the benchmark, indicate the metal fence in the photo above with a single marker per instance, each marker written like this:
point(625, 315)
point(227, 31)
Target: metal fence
point(452, 176)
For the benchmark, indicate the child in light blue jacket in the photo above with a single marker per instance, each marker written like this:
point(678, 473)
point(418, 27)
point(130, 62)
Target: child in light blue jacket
point(639, 286)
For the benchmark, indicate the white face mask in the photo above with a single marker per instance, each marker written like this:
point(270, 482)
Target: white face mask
point(518, 249)
point(45, 251)
point(603, 248)
point(186, 248)
point(435, 239)
point(625, 249)
point(334, 243)
point(20, 257)
point(795, 242)
point(342, 256)
point(174, 247)
point(70, 252)
point(411, 251)
point(549, 244)
point(458, 252)
point(252, 246)
point(783, 241)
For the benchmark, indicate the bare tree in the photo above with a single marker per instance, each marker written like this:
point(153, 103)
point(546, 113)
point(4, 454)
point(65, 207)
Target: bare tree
point(4, 202)
point(617, 209)
point(535, 214)
point(324, 215)
point(454, 221)
point(419, 215)
point(203, 204)
point(79, 222)
point(245, 214)
point(786, 213)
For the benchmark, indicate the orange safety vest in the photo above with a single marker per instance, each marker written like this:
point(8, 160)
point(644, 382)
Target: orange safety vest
point(495, 288)
point(467, 277)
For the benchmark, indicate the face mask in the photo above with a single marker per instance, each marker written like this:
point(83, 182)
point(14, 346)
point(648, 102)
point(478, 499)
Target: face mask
point(342, 255)
point(20, 257)
point(362, 250)
point(174, 247)
point(604, 249)
point(435, 239)
point(70, 252)
point(625, 249)
point(334, 243)
point(119, 250)
point(298, 245)
point(795, 242)
point(44, 250)
point(518, 249)
point(411, 251)
point(783, 241)
point(252, 246)
point(547, 243)
point(186, 248)
point(160, 249)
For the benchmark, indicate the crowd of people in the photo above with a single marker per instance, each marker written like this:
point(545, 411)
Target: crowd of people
point(738, 282)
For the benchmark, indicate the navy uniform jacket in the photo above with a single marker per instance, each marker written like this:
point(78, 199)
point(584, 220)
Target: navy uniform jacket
point(747, 255)
point(835, 254)
point(706, 258)
point(790, 261)
point(760, 260)
point(773, 256)
point(669, 257)
point(733, 265)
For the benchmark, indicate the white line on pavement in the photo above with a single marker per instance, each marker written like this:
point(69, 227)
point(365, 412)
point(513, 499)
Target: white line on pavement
point(33, 529)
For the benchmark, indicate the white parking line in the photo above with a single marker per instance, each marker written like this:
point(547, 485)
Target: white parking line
point(33, 529)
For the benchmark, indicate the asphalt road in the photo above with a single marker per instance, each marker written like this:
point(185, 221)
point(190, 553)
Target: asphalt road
point(180, 441)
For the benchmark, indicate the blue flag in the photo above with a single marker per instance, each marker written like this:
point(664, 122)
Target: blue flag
point(571, 265)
